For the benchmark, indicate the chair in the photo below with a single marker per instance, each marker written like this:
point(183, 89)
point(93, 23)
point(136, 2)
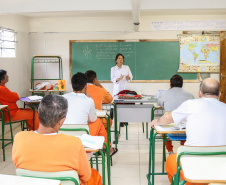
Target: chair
point(201, 164)
point(67, 177)
point(4, 111)
point(74, 129)
point(78, 130)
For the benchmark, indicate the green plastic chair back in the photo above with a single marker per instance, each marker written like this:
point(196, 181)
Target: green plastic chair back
point(66, 177)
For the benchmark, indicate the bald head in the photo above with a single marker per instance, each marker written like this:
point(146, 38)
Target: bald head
point(210, 87)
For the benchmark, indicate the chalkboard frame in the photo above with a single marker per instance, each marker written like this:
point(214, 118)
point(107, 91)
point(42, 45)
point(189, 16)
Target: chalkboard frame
point(133, 81)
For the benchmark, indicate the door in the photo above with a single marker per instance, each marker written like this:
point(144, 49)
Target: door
point(223, 66)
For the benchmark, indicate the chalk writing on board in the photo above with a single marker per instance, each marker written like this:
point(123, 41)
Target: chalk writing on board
point(106, 51)
point(87, 52)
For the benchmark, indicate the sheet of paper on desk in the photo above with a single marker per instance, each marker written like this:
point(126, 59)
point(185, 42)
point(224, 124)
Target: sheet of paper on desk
point(34, 98)
point(94, 142)
point(171, 126)
point(100, 113)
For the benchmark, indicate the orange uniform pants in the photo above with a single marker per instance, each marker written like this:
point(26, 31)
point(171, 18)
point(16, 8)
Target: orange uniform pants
point(26, 114)
point(169, 145)
point(95, 178)
point(171, 169)
point(97, 129)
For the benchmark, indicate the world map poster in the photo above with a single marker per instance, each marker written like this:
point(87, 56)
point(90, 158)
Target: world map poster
point(199, 53)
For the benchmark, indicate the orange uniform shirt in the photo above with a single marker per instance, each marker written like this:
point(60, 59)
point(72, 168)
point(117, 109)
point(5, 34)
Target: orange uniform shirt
point(51, 153)
point(9, 98)
point(99, 95)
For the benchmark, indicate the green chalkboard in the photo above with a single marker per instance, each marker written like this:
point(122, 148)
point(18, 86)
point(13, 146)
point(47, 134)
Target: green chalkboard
point(147, 60)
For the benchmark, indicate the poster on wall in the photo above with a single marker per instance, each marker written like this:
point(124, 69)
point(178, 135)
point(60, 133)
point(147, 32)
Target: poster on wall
point(199, 53)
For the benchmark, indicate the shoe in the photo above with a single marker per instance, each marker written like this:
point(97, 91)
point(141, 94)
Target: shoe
point(121, 124)
point(170, 153)
point(115, 151)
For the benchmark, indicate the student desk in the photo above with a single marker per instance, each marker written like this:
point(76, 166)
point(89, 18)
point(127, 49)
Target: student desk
point(198, 169)
point(18, 180)
point(159, 130)
point(132, 110)
point(33, 105)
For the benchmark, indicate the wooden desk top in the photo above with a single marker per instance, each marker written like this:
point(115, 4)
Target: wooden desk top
point(156, 106)
point(18, 180)
point(169, 129)
point(3, 106)
point(204, 169)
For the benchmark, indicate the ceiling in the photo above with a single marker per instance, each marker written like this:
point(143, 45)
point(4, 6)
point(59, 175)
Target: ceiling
point(111, 8)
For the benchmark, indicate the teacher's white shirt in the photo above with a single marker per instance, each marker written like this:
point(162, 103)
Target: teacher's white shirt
point(123, 84)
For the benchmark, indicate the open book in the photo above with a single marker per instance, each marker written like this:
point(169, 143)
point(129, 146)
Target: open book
point(93, 142)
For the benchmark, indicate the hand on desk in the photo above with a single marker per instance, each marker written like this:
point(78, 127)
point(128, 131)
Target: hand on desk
point(154, 123)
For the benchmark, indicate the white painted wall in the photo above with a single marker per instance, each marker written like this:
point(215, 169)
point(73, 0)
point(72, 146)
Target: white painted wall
point(50, 36)
point(18, 68)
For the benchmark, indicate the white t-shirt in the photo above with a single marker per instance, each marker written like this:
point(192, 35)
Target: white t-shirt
point(123, 84)
point(205, 121)
point(81, 109)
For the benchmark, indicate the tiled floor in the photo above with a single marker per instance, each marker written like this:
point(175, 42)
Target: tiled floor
point(130, 164)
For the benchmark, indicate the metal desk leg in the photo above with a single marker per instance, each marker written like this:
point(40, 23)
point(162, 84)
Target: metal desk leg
point(150, 154)
point(103, 167)
point(146, 130)
point(116, 127)
point(108, 164)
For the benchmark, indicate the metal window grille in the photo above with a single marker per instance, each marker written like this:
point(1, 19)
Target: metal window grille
point(7, 42)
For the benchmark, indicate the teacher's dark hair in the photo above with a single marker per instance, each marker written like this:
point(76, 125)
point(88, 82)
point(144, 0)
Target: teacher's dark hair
point(52, 109)
point(78, 81)
point(118, 55)
point(176, 81)
point(2, 74)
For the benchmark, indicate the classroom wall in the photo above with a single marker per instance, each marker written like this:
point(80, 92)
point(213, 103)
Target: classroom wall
point(17, 68)
point(50, 36)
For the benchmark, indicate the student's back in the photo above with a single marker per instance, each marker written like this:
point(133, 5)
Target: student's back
point(80, 109)
point(205, 121)
point(173, 98)
point(99, 95)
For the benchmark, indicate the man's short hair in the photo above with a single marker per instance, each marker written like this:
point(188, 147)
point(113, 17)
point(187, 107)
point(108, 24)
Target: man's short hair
point(210, 90)
point(52, 109)
point(176, 81)
point(78, 81)
point(2, 74)
point(91, 75)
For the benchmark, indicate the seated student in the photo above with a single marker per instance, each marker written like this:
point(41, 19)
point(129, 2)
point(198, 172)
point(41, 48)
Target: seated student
point(81, 108)
point(205, 121)
point(97, 92)
point(173, 98)
point(10, 98)
point(46, 150)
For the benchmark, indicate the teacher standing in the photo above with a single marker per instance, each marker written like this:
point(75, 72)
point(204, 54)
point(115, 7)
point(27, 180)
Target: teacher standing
point(120, 75)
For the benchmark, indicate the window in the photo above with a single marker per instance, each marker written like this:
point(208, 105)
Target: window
point(7, 42)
